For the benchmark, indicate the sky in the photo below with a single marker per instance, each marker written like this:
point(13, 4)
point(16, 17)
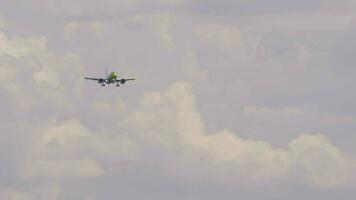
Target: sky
point(233, 99)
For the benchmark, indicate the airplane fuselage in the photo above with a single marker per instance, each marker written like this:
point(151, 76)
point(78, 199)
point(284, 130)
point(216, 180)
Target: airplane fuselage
point(112, 78)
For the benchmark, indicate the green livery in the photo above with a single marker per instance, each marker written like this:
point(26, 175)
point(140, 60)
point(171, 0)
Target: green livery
point(112, 78)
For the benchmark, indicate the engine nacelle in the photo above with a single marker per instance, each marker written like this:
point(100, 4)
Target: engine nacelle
point(101, 81)
point(122, 81)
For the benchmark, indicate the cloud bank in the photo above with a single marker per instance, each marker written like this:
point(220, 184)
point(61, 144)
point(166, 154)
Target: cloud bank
point(169, 123)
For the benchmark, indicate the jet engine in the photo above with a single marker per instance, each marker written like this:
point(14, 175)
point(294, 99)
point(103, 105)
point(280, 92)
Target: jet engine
point(122, 81)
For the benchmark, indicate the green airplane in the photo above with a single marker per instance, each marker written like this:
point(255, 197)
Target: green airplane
point(111, 78)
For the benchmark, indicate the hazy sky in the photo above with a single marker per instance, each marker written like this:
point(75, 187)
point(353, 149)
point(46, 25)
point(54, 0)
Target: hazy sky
point(234, 99)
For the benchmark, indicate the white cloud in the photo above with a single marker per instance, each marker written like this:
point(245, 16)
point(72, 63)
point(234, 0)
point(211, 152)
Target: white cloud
point(20, 47)
point(7, 72)
point(191, 67)
point(97, 28)
point(48, 76)
point(228, 37)
point(171, 2)
point(324, 163)
point(170, 120)
point(14, 194)
point(58, 149)
point(22, 99)
point(80, 7)
point(159, 25)
point(49, 192)
point(66, 133)
point(110, 106)
point(256, 110)
point(2, 22)
point(63, 169)
point(90, 197)
point(77, 28)
point(47, 161)
point(70, 29)
point(27, 62)
point(35, 53)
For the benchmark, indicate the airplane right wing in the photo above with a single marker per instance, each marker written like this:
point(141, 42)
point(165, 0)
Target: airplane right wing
point(93, 79)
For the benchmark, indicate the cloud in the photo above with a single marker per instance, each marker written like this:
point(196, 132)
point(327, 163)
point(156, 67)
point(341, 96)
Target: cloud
point(324, 163)
point(171, 2)
point(48, 192)
point(44, 160)
point(22, 99)
point(90, 197)
point(63, 169)
point(228, 37)
point(97, 28)
point(257, 7)
point(191, 67)
point(20, 47)
point(8, 75)
point(66, 133)
point(66, 149)
point(80, 8)
point(256, 110)
point(28, 67)
point(34, 52)
point(170, 120)
point(107, 9)
point(70, 29)
point(13, 194)
point(49, 77)
point(110, 106)
point(75, 28)
point(7, 72)
point(159, 25)
point(2, 22)
point(170, 123)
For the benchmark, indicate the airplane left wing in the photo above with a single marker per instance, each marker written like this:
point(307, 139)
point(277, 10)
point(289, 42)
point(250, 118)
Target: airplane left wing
point(123, 81)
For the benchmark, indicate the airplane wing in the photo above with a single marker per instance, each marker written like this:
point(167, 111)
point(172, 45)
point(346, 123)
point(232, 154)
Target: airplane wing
point(125, 79)
point(93, 79)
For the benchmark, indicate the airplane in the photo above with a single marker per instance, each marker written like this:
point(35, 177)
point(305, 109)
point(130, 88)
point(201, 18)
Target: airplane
point(110, 78)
